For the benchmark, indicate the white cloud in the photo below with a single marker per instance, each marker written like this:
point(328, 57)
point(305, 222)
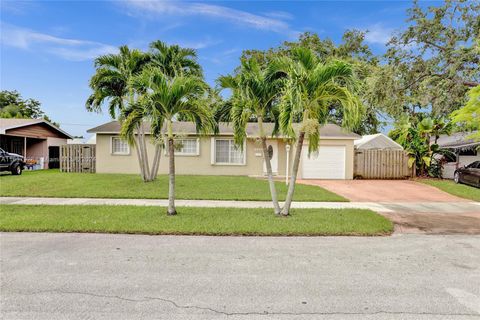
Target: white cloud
point(279, 15)
point(160, 7)
point(378, 34)
point(200, 44)
point(69, 49)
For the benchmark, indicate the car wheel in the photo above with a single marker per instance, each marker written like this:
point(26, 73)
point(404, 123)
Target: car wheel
point(17, 170)
point(456, 177)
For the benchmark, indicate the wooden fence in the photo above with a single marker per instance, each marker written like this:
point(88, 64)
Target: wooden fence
point(381, 164)
point(77, 158)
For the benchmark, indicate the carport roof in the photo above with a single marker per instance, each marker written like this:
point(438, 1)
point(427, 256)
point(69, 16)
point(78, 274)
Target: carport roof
point(326, 131)
point(457, 140)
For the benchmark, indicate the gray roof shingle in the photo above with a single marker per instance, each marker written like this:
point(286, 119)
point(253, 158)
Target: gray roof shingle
point(328, 130)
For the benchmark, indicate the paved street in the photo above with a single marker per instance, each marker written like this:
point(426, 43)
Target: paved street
point(98, 276)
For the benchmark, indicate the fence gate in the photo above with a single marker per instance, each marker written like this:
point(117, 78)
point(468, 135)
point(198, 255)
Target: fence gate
point(77, 158)
point(381, 164)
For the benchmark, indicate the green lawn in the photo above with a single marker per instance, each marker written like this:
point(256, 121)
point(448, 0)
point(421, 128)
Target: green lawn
point(52, 183)
point(459, 190)
point(191, 221)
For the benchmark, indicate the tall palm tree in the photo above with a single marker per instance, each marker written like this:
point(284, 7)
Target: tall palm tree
point(166, 99)
point(254, 92)
point(174, 60)
point(310, 88)
point(111, 84)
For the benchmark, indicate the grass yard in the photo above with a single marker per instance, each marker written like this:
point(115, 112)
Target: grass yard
point(53, 183)
point(459, 190)
point(192, 221)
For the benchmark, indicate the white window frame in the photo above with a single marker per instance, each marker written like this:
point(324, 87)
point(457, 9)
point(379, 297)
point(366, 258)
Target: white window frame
point(183, 154)
point(119, 153)
point(214, 151)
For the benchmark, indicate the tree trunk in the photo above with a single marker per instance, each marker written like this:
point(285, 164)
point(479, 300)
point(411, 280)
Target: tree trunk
point(156, 162)
point(171, 178)
point(139, 156)
point(268, 164)
point(171, 171)
point(143, 148)
point(291, 187)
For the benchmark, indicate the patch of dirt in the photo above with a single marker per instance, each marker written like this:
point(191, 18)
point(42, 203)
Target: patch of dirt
point(436, 223)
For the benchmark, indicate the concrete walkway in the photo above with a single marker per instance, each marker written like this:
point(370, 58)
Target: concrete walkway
point(423, 207)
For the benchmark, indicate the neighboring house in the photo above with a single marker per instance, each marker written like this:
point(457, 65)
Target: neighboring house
point(92, 140)
point(376, 141)
point(466, 151)
point(37, 140)
point(76, 141)
point(217, 155)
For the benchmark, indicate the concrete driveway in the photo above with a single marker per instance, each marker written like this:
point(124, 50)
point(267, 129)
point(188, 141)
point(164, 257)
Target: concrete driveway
point(414, 207)
point(385, 190)
point(98, 276)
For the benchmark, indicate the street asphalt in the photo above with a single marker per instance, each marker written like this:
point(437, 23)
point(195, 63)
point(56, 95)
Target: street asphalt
point(101, 276)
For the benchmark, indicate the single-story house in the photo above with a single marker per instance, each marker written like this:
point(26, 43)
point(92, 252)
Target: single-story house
point(376, 141)
point(217, 154)
point(466, 151)
point(37, 140)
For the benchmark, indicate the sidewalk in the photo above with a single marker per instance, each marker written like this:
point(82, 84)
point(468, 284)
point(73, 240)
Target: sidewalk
point(404, 207)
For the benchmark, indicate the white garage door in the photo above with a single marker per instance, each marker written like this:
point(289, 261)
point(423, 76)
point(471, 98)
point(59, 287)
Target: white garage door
point(329, 163)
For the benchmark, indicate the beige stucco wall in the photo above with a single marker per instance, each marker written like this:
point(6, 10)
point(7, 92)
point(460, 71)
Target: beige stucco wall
point(201, 164)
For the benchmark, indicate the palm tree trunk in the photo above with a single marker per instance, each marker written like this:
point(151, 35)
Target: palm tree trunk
point(143, 148)
point(139, 156)
point(156, 162)
point(293, 178)
point(268, 165)
point(171, 172)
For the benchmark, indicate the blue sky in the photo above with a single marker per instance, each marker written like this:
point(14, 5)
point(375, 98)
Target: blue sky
point(48, 47)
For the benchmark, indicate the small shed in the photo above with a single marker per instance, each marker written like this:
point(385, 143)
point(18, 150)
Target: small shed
point(379, 157)
point(376, 141)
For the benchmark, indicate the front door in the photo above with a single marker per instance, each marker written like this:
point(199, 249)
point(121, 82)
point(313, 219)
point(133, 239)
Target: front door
point(273, 146)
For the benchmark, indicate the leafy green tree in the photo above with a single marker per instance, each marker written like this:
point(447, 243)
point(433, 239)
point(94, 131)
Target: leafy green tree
point(433, 62)
point(309, 90)
point(468, 117)
point(418, 136)
point(12, 105)
point(165, 99)
point(254, 91)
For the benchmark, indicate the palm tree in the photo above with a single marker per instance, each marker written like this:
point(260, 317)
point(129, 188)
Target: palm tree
point(166, 99)
point(254, 91)
point(310, 88)
point(111, 84)
point(174, 60)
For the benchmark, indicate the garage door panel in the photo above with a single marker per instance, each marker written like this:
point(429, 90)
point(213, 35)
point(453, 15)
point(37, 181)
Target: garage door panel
point(328, 163)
